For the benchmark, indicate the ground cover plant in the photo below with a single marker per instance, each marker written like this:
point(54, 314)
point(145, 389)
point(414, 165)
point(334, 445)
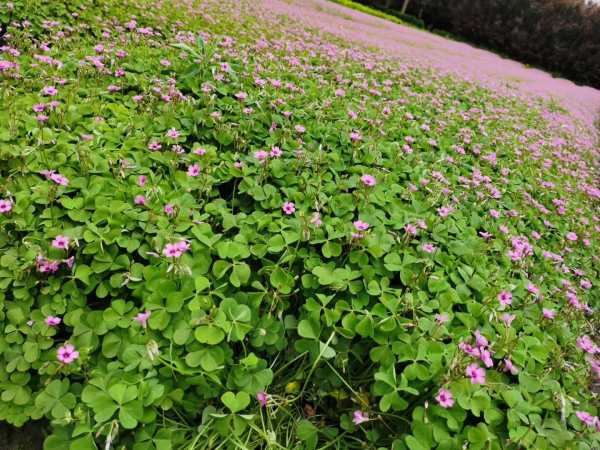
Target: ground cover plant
point(219, 229)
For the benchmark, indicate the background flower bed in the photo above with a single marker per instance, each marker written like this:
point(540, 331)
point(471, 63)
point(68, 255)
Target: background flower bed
point(218, 228)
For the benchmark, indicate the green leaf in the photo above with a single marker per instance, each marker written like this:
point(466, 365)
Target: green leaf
point(309, 329)
point(209, 334)
point(201, 283)
point(235, 402)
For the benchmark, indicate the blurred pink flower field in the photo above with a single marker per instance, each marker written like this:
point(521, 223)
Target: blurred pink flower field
point(423, 48)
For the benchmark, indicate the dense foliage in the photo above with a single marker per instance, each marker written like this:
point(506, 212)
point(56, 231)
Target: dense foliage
point(562, 36)
point(220, 230)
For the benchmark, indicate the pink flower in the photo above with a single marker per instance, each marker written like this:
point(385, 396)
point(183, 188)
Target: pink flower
point(428, 248)
point(410, 229)
point(67, 354)
point(169, 209)
point(241, 96)
point(153, 146)
point(49, 90)
point(476, 373)
point(571, 236)
point(59, 179)
point(355, 136)
point(480, 339)
point(445, 399)
point(508, 318)
point(52, 321)
point(368, 180)
point(316, 219)
point(200, 151)
point(359, 417)
point(165, 62)
point(586, 418)
point(139, 200)
point(495, 214)
point(510, 367)
point(299, 129)
point(261, 155)
point(262, 398)
point(5, 206)
point(505, 298)
point(176, 250)
point(141, 181)
point(548, 313)
point(288, 208)
point(61, 242)
point(276, 152)
point(44, 265)
point(441, 318)
point(193, 170)
point(173, 133)
point(587, 345)
point(361, 226)
point(142, 318)
point(533, 289)
point(445, 211)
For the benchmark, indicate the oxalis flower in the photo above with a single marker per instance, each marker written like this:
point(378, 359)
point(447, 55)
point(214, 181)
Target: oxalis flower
point(5, 206)
point(359, 225)
point(505, 298)
point(428, 248)
point(359, 417)
point(176, 250)
point(52, 321)
point(262, 398)
point(445, 399)
point(476, 373)
point(587, 418)
point(368, 180)
point(288, 208)
point(61, 242)
point(142, 318)
point(67, 354)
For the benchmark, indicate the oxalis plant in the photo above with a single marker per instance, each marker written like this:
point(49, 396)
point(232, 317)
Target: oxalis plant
point(221, 230)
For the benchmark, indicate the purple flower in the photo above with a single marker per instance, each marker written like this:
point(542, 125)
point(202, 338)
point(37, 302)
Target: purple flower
point(193, 170)
point(445, 399)
point(505, 298)
point(52, 321)
point(142, 318)
point(476, 373)
point(61, 242)
point(288, 208)
point(428, 248)
point(67, 354)
point(262, 398)
point(359, 417)
point(368, 180)
point(359, 225)
point(5, 206)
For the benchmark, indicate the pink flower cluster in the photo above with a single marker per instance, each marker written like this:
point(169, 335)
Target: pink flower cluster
point(176, 250)
point(479, 350)
point(520, 248)
point(588, 419)
point(586, 344)
point(56, 177)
